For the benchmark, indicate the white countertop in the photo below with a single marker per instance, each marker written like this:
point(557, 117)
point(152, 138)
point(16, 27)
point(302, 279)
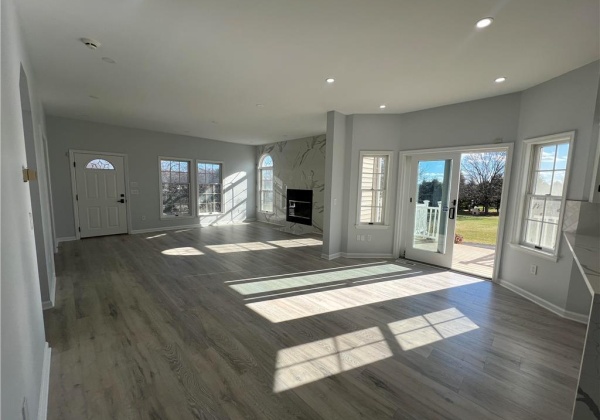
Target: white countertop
point(586, 250)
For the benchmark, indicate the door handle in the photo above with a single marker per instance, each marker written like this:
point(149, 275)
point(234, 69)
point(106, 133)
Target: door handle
point(122, 200)
point(452, 213)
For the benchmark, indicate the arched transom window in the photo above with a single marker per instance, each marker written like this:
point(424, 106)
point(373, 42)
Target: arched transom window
point(100, 164)
point(265, 169)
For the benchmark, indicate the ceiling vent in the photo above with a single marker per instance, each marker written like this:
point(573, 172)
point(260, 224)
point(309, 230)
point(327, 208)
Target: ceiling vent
point(90, 43)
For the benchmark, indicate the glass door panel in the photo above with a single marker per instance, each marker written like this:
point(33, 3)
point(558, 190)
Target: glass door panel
point(430, 225)
point(433, 194)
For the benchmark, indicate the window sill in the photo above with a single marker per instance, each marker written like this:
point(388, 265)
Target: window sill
point(210, 214)
point(374, 226)
point(541, 254)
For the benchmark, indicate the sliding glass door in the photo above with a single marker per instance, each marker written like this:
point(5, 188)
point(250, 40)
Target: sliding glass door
point(433, 195)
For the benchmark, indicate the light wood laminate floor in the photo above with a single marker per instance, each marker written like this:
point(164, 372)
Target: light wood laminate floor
point(247, 322)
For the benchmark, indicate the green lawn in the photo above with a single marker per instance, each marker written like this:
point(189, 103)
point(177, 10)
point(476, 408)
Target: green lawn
point(477, 229)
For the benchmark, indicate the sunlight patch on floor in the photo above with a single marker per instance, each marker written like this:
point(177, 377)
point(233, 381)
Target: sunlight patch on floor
point(305, 272)
point(294, 243)
point(419, 331)
point(315, 279)
point(186, 251)
point(301, 306)
point(241, 247)
point(314, 361)
point(156, 236)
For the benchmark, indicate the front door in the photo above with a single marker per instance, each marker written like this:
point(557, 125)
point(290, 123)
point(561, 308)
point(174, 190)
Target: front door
point(100, 195)
point(433, 196)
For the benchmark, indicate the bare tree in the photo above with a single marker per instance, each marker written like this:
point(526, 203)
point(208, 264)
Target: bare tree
point(483, 173)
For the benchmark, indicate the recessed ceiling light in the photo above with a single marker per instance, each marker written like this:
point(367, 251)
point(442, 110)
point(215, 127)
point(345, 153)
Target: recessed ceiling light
point(260, 106)
point(484, 23)
point(330, 80)
point(500, 80)
point(108, 60)
point(381, 106)
point(94, 97)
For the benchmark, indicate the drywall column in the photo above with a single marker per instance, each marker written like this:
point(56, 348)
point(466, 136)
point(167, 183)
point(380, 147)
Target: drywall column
point(334, 185)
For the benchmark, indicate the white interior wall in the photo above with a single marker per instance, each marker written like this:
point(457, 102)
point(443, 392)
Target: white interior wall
point(562, 104)
point(40, 203)
point(471, 123)
point(143, 149)
point(22, 326)
point(334, 184)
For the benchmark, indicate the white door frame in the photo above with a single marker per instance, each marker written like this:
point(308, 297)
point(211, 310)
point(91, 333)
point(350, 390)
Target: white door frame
point(74, 186)
point(402, 211)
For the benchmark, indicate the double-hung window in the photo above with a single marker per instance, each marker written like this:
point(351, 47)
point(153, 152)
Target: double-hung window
point(265, 187)
point(210, 187)
point(374, 168)
point(545, 191)
point(175, 187)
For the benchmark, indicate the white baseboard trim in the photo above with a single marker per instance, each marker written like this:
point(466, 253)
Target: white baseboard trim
point(45, 385)
point(573, 316)
point(331, 256)
point(66, 239)
point(365, 255)
point(49, 304)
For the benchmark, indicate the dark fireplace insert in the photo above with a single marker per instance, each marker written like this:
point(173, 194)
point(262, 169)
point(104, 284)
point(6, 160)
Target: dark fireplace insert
point(299, 206)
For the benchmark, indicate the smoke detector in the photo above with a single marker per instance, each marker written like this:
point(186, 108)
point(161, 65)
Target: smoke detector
point(90, 43)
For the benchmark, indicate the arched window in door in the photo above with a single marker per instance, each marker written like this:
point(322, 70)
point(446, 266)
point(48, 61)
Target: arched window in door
point(99, 164)
point(265, 187)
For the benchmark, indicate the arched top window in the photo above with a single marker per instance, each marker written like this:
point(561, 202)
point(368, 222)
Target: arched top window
point(266, 162)
point(265, 169)
point(100, 164)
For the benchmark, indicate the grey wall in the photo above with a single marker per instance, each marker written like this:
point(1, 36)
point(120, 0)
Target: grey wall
point(470, 123)
point(296, 164)
point(40, 203)
point(333, 215)
point(562, 104)
point(143, 149)
point(22, 327)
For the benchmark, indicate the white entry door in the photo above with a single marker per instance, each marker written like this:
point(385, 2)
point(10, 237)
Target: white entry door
point(433, 196)
point(100, 196)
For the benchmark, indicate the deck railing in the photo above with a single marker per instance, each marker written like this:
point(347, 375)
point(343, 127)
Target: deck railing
point(427, 221)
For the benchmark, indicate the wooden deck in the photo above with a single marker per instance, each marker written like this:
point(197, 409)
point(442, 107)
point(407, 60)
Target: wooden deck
point(474, 259)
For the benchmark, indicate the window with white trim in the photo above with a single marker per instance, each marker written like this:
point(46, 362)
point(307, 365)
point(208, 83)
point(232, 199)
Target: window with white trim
point(175, 194)
point(265, 187)
point(545, 192)
point(210, 187)
point(372, 198)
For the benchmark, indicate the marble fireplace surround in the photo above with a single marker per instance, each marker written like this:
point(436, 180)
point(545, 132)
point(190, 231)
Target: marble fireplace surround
point(297, 164)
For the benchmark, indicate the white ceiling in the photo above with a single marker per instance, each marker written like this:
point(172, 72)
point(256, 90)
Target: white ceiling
point(200, 67)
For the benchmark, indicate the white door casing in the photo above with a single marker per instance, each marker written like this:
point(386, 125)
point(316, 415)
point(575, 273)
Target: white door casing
point(100, 196)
